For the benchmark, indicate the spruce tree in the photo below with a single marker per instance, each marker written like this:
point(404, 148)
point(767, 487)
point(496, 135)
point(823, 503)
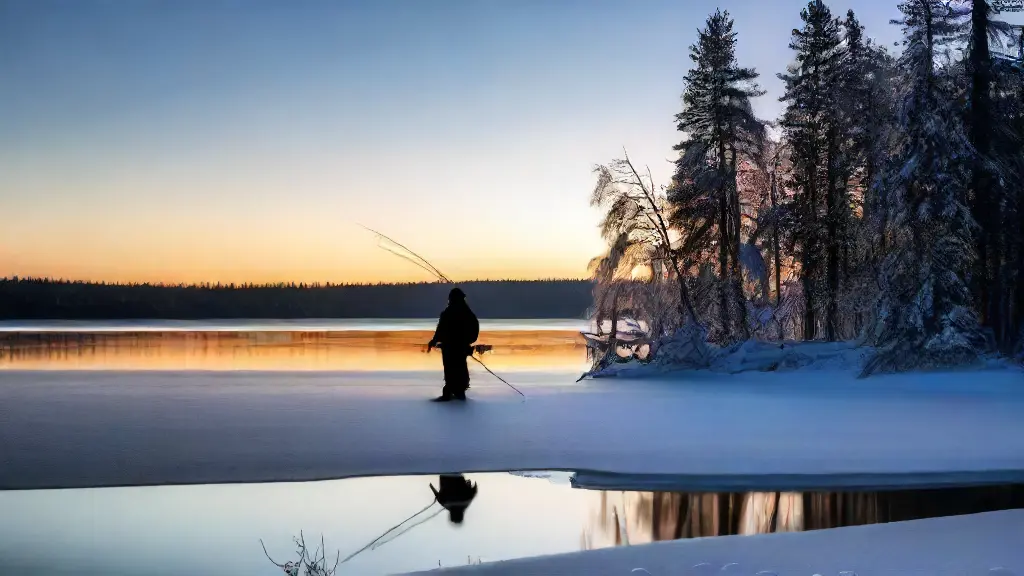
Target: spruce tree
point(926, 319)
point(1006, 160)
point(866, 106)
point(995, 174)
point(984, 205)
point(812, 130)
point(719, 126)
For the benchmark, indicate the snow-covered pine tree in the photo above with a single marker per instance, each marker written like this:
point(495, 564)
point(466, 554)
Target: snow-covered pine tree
point(866, 106)
point(719, 126)
point(1018, 124)
point(983, 196)
point(1012, 99)
point(1006, 159)
point(812, 130)
point(926, 318)
point(994, 179)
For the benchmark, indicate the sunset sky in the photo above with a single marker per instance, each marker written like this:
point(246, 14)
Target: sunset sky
point(203, 140)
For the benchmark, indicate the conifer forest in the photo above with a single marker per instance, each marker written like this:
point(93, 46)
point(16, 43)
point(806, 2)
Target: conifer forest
point(884, 206)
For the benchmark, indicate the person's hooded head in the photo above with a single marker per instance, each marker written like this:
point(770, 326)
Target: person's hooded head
point(456, 296)
point(455, 494)
point(456, 514)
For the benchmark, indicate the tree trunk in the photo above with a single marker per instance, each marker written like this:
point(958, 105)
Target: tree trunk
point(984, 208)
point(613, 334)
point(1018, 313)
point(832, 226)
point(777, 251)
point(723, 246)
point(809, 264)
point(736, 279)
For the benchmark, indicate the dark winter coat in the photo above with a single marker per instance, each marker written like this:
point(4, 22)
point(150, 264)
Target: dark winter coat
point(457, 327)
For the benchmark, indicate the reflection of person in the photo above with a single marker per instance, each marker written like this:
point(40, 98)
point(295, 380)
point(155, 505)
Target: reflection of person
point(455, 494)
point(457, 329)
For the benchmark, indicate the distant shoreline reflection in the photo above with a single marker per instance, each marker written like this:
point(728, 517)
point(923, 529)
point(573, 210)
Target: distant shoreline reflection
point(630, 518)
point(624, 518)
point(352, 350)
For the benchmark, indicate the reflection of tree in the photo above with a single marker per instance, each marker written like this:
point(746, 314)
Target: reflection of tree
point(624, 518)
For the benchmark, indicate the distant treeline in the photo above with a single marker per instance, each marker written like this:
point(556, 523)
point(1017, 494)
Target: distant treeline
point(45, 299)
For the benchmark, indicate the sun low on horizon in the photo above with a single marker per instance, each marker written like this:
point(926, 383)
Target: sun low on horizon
point(207, 142)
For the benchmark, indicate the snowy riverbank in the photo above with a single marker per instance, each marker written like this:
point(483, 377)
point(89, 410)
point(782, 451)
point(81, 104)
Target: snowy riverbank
point(975, 545)
point(79, 429)
point(680, 353)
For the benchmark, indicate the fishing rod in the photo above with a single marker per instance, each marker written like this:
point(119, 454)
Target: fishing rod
point(385, 538)
point(376, 543)
point(417, 259)
point(293, 567)
point(481, 362)
point(422, 263)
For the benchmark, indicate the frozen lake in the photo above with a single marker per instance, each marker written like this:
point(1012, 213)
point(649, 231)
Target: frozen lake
point(214, 410)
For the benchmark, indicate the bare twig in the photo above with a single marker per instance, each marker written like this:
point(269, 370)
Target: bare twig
point(314, 566)
point(274, 562)
point(662, 229)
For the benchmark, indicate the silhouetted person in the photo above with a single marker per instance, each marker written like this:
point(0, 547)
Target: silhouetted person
point(455, 494)
point(457, 330)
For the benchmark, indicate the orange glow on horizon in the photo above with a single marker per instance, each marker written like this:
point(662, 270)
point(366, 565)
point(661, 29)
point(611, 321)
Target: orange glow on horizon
point(196, 258)
point(286, 278)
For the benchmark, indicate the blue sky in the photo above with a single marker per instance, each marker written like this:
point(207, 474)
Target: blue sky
point(230, 140)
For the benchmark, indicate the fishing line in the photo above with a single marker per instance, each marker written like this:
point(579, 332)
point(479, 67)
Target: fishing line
point(380, 541)
point(410, 527)
point(374, 544)
point(423, 264)
point(406, 258)
point(480, 362)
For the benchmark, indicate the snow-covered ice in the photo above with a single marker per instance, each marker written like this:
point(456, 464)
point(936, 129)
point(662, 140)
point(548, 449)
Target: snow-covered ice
point(79, 429)
point(976, 545)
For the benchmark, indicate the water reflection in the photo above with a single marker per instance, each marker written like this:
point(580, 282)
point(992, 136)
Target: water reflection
point(455, 495)
point(624, 518)
point(216, 529)
point(349, 350)
point(388, 525)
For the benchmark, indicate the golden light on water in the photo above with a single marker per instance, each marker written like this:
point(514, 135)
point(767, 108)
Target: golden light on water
point(343, 351)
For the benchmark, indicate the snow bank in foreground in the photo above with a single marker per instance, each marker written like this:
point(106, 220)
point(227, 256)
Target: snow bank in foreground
point(78, 429)
point(976, 545)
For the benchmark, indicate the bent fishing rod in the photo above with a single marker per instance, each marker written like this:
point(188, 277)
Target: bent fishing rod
point(422, 263)
point(374, 544)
